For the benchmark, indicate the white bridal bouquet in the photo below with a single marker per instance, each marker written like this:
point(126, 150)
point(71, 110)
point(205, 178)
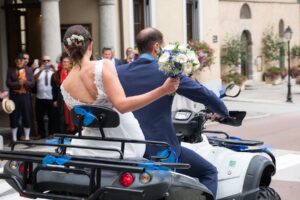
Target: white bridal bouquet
point(176, 58)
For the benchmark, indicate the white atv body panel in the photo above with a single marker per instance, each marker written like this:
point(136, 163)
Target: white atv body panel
point(231, 165)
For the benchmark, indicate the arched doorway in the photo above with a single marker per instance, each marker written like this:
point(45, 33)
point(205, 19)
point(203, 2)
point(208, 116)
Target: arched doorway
point(246, 64)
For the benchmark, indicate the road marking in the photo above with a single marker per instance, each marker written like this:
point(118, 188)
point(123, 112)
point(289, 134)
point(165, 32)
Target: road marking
point(286, 161)
point(4, 187)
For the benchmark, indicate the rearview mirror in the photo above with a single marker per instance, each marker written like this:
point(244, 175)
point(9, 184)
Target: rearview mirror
point(232, 90)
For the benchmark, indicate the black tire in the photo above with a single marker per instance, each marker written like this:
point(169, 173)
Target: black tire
point(267, 193)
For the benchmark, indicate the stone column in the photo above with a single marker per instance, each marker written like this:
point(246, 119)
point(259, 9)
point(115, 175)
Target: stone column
point(51, 41)
point(107, 23)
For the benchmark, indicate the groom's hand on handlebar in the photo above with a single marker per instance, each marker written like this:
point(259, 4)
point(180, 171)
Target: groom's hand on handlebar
point(216, 117)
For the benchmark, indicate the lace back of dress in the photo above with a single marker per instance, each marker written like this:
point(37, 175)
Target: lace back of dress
point(101, 97)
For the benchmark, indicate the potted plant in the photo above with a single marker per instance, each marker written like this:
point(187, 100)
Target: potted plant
point(272, 75)
point(236, 78)
point(298, 80)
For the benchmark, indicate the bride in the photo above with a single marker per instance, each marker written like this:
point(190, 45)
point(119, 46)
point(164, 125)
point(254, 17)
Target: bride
point(97, 83)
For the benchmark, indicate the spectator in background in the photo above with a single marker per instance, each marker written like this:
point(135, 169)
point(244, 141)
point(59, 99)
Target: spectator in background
point(129, 56)
point(136, 54)
point(43, 101)
point(20, 82)
point(3, 95)
point(33, 65)
point(26, 59)
point(108, 53)
point(63, 122)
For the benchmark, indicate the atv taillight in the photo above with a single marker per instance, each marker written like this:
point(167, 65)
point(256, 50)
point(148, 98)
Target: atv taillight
point(126, 179)
point(22, 169)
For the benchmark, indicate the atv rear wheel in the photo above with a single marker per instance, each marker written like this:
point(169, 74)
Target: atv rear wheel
point(267, 193)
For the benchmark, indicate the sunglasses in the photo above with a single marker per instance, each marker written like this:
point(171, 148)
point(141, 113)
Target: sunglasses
point(46, 60)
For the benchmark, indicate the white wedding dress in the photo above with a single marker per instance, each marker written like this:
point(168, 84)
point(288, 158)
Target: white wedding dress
point(129, 127)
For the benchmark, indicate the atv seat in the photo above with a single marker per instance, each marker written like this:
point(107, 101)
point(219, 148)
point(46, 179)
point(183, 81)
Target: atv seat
point(102, 117)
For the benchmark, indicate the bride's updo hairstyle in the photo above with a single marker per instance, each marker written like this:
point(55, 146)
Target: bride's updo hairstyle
point(76, 41)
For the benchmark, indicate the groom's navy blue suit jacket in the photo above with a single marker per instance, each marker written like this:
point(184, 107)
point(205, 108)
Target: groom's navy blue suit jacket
point(155, 119)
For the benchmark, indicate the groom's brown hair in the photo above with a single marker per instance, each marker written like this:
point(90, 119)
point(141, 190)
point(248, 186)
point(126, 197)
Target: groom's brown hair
point(146, 38)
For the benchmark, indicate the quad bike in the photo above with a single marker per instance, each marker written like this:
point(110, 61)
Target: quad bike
point(55, 174)
point(245, 168)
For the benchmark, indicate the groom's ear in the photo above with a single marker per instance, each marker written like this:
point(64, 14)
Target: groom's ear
point(156, 46)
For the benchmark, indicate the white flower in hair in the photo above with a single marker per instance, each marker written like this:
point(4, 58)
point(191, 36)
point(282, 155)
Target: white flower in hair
point(69, 41)
point(74, 38)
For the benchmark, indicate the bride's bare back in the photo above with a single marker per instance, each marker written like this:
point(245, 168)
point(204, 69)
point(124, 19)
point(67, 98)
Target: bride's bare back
point(80, 83)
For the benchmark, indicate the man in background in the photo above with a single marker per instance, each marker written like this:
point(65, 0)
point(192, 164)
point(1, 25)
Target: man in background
point(108, 53)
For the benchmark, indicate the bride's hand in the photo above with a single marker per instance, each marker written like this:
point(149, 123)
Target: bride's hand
point(171, 85)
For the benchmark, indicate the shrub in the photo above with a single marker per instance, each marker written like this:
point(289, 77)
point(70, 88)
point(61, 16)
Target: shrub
point(272, 73)
point(235, 77)
point(295, 71)
point(271, 45)
point(233, 52)
point(298, 80)
point(295, 52)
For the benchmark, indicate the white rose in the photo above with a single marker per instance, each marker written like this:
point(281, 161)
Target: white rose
point(182, 48)
point(191, 55)
point(164, 57)
point(169, 47)
point(188, 68)
point(181, 58)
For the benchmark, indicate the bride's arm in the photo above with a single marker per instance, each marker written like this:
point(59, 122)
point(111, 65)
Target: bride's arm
point(116, 94)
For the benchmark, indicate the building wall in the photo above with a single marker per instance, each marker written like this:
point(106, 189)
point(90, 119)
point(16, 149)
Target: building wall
point(264, 14)
point(169, 19)
point(81, 12)
point(3, 48)
point(211, 36)
point(87, 12)
point(127, 23)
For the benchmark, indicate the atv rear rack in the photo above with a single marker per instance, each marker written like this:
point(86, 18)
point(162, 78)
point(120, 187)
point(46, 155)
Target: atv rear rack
point(91, 167)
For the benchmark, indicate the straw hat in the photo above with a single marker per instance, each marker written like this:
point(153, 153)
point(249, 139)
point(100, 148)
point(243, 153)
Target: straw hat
point(8, 105)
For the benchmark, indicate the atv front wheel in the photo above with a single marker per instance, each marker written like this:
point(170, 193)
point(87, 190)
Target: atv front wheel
point(267, 193)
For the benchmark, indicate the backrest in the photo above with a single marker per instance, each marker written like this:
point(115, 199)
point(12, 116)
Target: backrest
point(94, 116)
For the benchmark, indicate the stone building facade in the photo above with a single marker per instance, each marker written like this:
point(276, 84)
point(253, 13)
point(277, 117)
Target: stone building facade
point(37, 26)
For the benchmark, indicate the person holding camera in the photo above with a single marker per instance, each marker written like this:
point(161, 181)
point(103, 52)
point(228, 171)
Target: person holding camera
point(19, 81)
point(43, 102)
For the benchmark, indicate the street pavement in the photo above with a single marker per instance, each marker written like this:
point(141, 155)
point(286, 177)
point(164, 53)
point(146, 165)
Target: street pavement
point(270, 101)
point(259, 101)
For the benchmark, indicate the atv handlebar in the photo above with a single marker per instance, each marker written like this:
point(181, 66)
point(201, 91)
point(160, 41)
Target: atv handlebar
point(235, 118)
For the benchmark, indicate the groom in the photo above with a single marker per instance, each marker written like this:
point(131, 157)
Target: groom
point(155, 119)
